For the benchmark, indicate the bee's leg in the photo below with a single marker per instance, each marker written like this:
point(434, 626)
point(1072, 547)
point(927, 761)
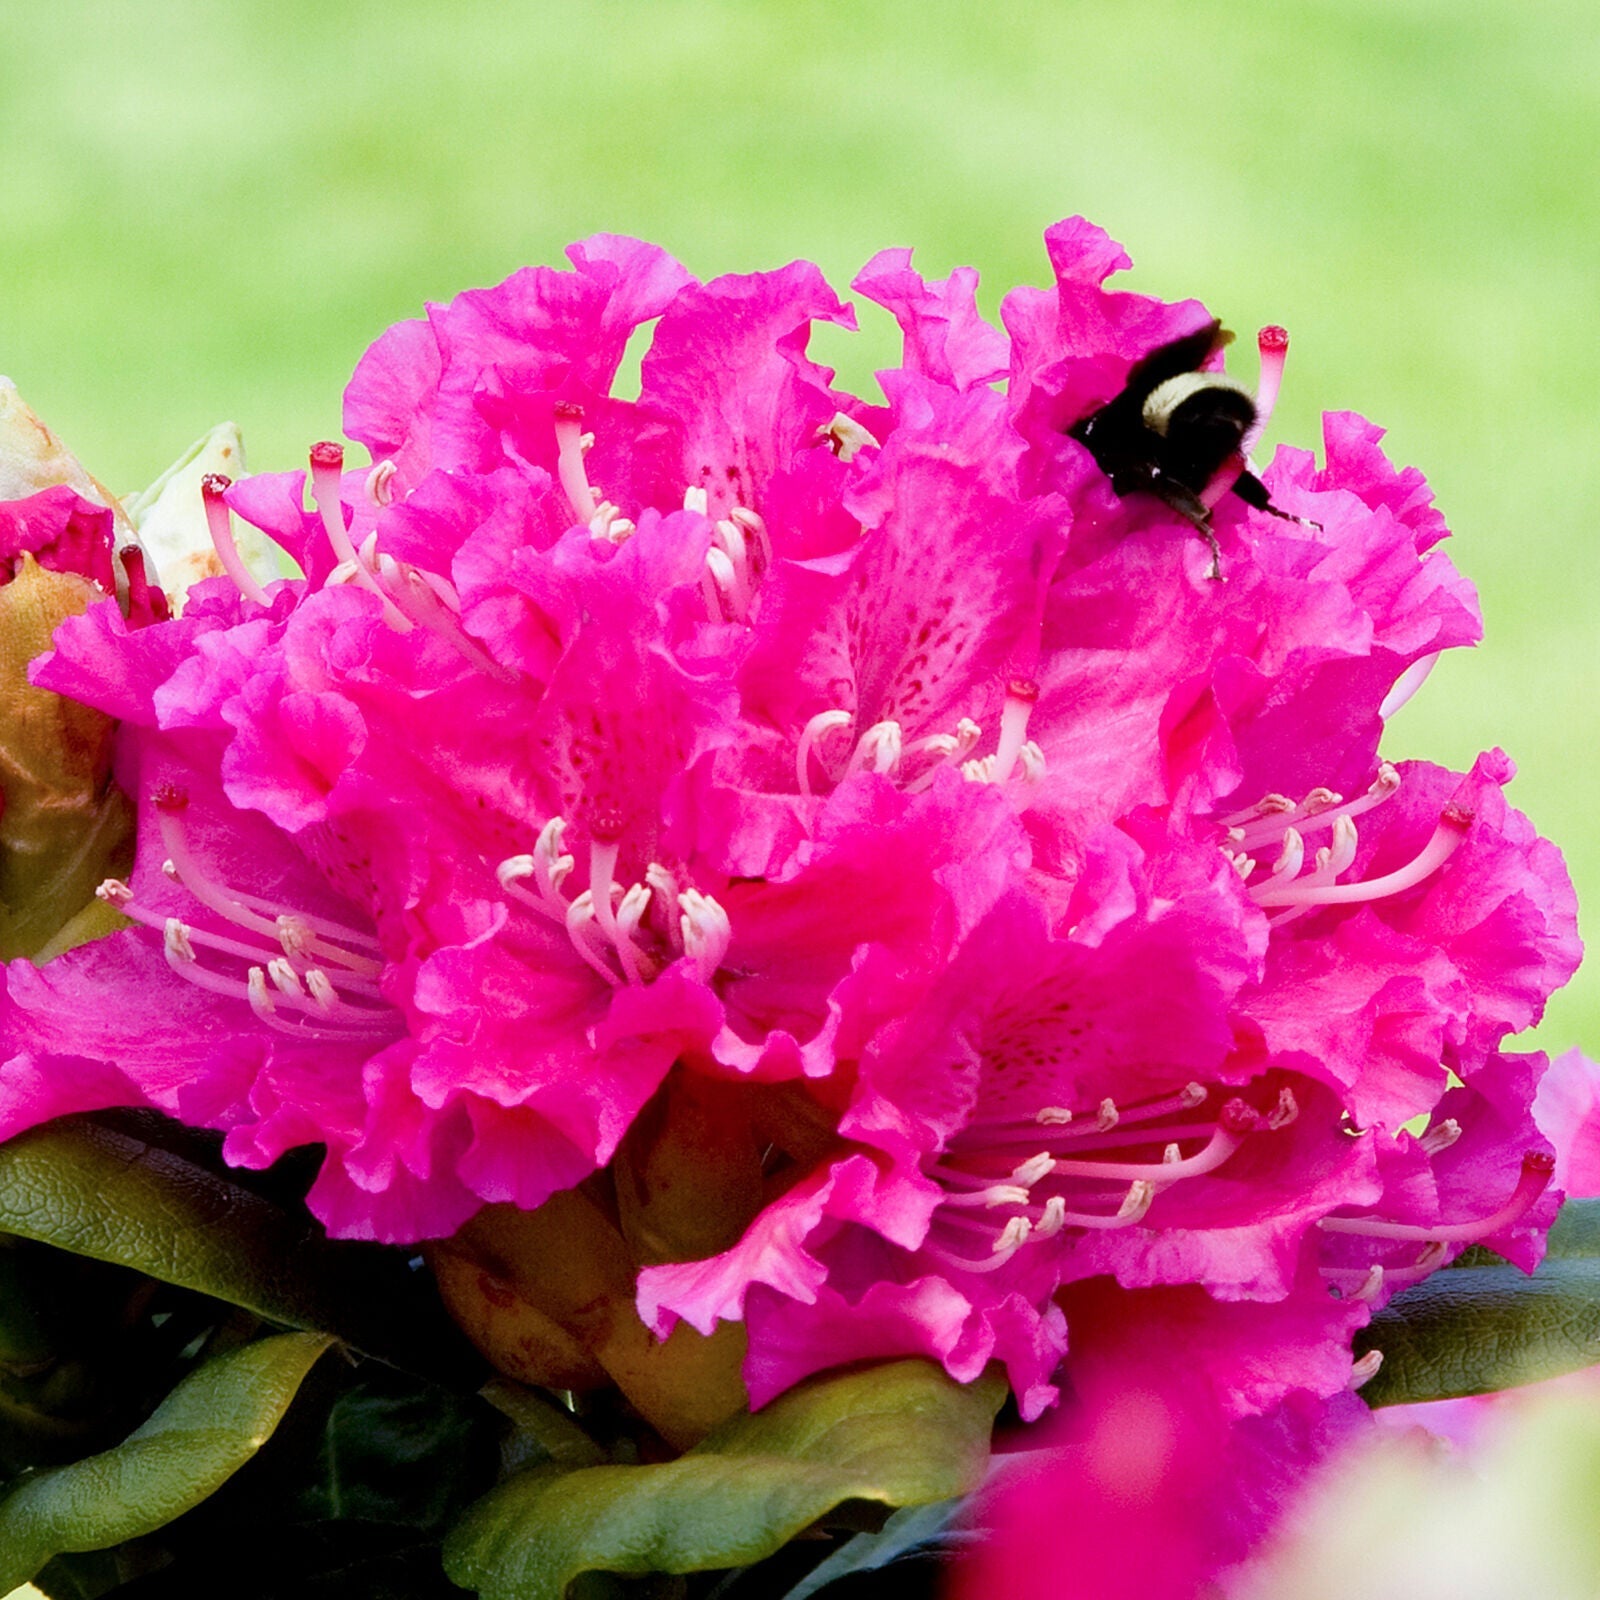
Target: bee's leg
point(1204, 530)
point(1253, 492)
point(1192, 509)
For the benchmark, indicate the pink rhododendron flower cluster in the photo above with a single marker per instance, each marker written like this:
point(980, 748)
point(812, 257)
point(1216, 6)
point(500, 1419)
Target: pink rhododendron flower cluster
point(876, 758)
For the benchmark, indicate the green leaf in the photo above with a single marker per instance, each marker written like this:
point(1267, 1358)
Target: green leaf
point(95, 1189)
point(1475, 1329)
point(912, 1530)
point(397, 1452)
point(199, 1436)
point(1576, 1234)
point(901, 1434)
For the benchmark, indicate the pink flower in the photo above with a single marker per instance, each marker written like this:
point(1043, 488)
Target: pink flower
point(423, 740)
point(1568, 1112)
point(1145, 1488)
point(1049, 902)
point(64, 532)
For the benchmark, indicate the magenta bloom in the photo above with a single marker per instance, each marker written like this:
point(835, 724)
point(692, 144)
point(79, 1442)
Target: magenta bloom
point(879, 753)
point(64, 532)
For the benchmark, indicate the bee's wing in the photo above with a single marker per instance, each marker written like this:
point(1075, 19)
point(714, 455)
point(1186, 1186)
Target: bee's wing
point(1177, 356)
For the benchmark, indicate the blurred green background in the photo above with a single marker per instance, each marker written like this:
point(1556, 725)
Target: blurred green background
point(208, 211)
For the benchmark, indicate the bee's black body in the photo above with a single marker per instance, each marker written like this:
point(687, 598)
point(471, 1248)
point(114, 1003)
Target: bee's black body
point(1173, 427)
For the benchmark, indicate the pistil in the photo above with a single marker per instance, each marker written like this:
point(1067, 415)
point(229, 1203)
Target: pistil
point(1534, 1179)
point(219, 522)
point(1272, 346)
point(569, 460)
point(327, 462)
point(1022, 694)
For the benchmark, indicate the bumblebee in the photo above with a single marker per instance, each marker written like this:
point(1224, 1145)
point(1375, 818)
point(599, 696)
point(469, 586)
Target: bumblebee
point(1181, 434)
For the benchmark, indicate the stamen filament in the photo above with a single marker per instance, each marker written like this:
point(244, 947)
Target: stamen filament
point(579, 919)
point(245, 910)
point(815, 730)
point(877, 750)
point(1445, 840)
point(753, 524)
point(1218, 1148)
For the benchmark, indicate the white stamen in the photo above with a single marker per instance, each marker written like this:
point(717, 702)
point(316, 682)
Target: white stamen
point(1286, 1110)
point(609, 524)
point(757, 529)
point(1218, 1149)
point(997, 1194)
point(320, 989)
point(550, 861)
point(1364, 1370)
point(733, 601)
point(285, 977)
point(1370, 1287)
point(696, 499)
point(295, 934)
point(877, 750)
point(1013, 1234)
point(824, 723)
point(580, 919)
point(1034, 1168)
point(1344, 846)
point(1440, 1137)
point(637, 966)
point(513, 870)
point(706, 931)
point(1291, 860)
point(845, 436)
point(1317, 890)
point(380, 483)
point(664, 886)
point(1031, 759)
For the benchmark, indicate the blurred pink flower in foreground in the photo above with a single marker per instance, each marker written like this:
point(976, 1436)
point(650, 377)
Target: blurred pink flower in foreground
point(878, 760)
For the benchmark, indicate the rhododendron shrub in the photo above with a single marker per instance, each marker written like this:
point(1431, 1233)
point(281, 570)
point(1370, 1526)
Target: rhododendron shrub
point(1057, 929)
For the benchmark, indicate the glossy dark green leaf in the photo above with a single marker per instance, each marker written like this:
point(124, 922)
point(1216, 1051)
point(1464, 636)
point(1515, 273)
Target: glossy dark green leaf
point(901, 1434)
point(395, 1452)
point(1479, 1328)
point(200, 1435)
point(89, 1186)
